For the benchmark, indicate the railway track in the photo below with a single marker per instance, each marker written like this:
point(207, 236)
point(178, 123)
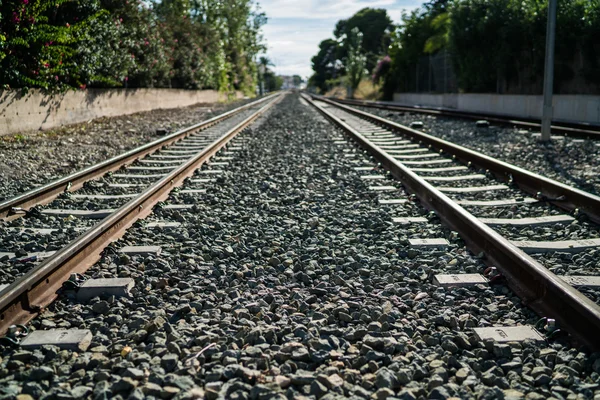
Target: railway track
point(118, 192)
point(290, 276)
point(474, 193)
point(584, 131)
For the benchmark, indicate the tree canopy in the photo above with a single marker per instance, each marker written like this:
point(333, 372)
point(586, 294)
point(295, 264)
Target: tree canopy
point(375, 27)
point(60, 44)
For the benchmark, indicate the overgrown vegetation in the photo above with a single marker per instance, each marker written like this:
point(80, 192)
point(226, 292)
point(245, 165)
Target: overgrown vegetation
point(494, 46)
point(191, 44)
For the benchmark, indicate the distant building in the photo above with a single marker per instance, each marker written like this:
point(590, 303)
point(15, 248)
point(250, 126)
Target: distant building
point(292, 82)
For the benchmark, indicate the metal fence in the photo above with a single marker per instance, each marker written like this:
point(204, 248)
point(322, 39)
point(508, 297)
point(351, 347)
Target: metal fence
point(435, 74)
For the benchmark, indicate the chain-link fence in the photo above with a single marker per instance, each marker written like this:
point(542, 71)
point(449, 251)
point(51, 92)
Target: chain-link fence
point(434, 74)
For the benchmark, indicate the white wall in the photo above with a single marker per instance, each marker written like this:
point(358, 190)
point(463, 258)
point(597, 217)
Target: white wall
point(38, 111)
point(574, 108)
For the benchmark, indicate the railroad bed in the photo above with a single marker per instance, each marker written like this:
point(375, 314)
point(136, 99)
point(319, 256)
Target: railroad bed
point(65, 150)
point(570, 160)
point(288, 278)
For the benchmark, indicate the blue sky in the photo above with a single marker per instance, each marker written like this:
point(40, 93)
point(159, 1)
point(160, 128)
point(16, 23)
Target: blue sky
point(295, 27)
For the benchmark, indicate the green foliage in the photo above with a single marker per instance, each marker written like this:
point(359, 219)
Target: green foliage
point(38, 44)
point(329, 63)
point(356, 60)
point(375, 25)
point(192, 44)
point(499, 45)
point(325, 64)
point(266, 77)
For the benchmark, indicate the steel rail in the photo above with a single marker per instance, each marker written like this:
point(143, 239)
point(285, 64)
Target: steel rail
point(16, 206)
point(585, 131)
point(30, 294)
point(563, 196)
point(538, 288)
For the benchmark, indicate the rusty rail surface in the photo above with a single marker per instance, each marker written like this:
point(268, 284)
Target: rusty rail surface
point(563, 196)
point(30, 294)
point(584, 131)
point(538, 288)
point(16, 206)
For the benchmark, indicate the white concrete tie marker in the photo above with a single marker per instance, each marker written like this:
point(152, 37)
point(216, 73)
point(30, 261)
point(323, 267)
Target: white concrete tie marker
point(365, 168)
point(33, 256)
point(456, 178)
point(171, 162)
point(192, 191)
point(496, 203)
point(141, 250)
point(383, 188)
point(535, 221)
point(143, 168)
point(99, 214)
point(427, 162)
point(177, 206)
point(182, 152)
point(408, 151)
point(372, 177)
point(436, 243)
point(441, 169)
point(508, 334)
point(408, 220)
point(471, 189)
point(563, 246)
point(202, 180)
point(39, 231)
point(392, 201)
point(582, 280)
point(126, 185)
point(118, 287)
point(414, 156)
point(211, 171)
point(138, 176)
point(103, 196)
point(459, 280)
point(65, 339)
point(168, 157)
point(163, 224)
point(398, 146)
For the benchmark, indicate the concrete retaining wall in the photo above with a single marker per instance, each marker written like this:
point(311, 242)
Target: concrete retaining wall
point(574, 108)
point(37, 111)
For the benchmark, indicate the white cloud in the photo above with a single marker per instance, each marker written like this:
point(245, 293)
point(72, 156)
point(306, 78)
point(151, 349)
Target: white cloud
point(328, 9)
point(295, 27)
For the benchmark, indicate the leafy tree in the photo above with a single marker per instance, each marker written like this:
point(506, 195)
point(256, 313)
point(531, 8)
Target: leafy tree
point(57, 44)
point(263, 68)
point(37, 44)
point(356, 61)
point(375, 25)
point(325, 63)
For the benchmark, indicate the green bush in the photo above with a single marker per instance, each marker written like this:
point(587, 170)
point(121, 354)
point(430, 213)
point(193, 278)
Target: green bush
point(499, 45)
point(61, 44)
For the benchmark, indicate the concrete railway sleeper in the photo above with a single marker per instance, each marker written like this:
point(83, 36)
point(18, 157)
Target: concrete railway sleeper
point(288, 278)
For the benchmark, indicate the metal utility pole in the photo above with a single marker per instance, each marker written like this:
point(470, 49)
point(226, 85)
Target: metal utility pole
point(549, 71)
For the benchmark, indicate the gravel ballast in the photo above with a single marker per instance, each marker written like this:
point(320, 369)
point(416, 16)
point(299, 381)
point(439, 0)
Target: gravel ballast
point(571, 161)
point(19, 239)
point(30, 159)
point(288, 280)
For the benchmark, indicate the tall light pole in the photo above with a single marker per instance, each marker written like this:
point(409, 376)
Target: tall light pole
point(549, 71)
point(261, 71)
